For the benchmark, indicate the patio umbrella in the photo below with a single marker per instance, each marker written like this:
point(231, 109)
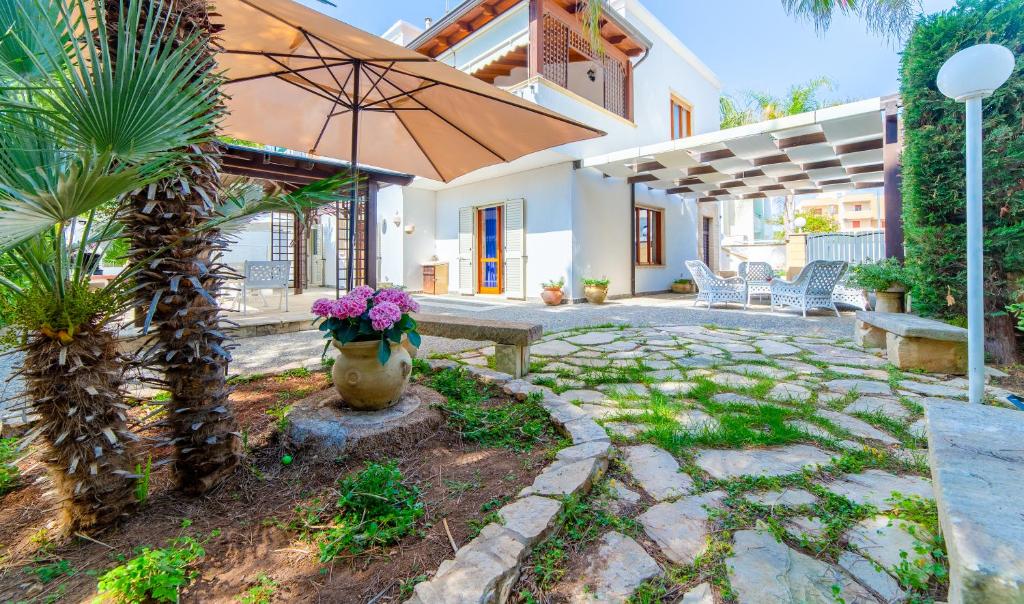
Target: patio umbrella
point(299, 79)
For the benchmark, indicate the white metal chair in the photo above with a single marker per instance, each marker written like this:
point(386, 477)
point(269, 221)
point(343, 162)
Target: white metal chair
point(812, 288)
point(711, 288)
point(265, 274)
point(758, 277)
point(850, 295)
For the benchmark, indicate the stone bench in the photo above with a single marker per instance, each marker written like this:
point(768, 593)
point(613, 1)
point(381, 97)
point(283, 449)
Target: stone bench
point(511, 340)
point(913, 342)
point(977, 463)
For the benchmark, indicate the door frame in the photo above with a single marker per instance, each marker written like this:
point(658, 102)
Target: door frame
point(499, 260)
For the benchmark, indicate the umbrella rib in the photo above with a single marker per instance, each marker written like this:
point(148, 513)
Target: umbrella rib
point(447, 121)
point(399, 95)
point(398, 116)
point(307, 80)
point(376, 83)
point(380, 59)
point(315, 92)
point(317, 51)
point(282, 72)
point(237, 51)
point(552, 115)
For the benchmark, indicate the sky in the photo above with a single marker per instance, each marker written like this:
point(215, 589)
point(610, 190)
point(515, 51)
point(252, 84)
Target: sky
point(749, 44)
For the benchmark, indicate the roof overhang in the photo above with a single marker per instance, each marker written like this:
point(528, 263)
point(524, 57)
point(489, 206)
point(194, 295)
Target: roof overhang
point(297, 169)
point(833, 149)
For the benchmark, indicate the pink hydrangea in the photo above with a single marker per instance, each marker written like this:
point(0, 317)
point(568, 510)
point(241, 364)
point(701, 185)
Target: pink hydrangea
point(323, 307)
point(363, 291)
point(399, 298)
point(384, 315)
point(350, 306)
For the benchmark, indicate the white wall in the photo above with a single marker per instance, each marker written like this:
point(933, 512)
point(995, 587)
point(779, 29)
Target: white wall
point(772, 253)
point(391, 242)
point(603, 241)
point(420, 212)
point(548, 195)
point(251, 243)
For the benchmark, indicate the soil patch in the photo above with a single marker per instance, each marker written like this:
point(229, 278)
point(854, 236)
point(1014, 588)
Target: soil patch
point(252, 514)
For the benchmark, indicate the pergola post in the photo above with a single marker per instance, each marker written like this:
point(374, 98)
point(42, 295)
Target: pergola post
point(535, 59)
point(892, 187)
point(372, 234)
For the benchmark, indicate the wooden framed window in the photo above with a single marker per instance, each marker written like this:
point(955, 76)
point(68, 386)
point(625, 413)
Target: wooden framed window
point(649, 236)
point(682, 117)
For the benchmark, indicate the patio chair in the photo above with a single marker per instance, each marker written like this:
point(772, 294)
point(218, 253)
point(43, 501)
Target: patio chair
point(812, 288)
point(850, 295)
point(758, 277)
point(265, 274)
point(711, 288)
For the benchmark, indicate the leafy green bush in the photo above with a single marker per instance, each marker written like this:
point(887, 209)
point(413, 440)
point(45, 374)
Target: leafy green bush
point(554, 284)
point(374, 509)
point(154, 574)
point(8, 471)
point(516, 426)
point(817, 223)
point(880, 276)
point(934, 180)
point(260, 593)
point(596, 282)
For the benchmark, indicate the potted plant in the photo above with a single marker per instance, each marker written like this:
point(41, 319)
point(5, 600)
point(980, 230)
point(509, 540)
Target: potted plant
point(595, 290)
point(552, 293)
point(682, 286)
point(887, 278)
point(370, 328)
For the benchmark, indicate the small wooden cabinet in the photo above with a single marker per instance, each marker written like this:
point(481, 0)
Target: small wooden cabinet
point(435, 278)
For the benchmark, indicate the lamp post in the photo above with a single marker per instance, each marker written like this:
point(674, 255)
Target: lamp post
point(970, 76)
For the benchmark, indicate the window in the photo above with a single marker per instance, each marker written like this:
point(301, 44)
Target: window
point(857, 207)
point(855, 224)
point(682, 118)
point(648, 236)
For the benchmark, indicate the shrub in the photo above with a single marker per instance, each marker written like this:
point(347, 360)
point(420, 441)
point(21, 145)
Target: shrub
point(596, 282)
point(879, 276)
point(154, 574)
point(934, 178)
point(554, 284)
point(8, 471)
point(375, 509)
point(818, 223)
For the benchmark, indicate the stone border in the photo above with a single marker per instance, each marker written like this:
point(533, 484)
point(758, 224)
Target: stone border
point(484, 570)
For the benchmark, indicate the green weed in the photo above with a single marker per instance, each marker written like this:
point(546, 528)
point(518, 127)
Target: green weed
point(280, 415)
point(260, 593)
point(9, 473)
point(156, 575)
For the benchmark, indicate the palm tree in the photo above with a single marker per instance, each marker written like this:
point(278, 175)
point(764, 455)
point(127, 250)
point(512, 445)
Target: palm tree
point(889, 18)
point(84, 124)
point(178, 291)
point(758, 106)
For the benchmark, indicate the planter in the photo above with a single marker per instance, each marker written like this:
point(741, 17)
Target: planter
point(552, 296)
point(890, 300)
point(682, 288)
point(595, 294)
point(366, 385)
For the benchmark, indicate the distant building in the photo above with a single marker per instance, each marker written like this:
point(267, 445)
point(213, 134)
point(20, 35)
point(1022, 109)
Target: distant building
point(853, 211)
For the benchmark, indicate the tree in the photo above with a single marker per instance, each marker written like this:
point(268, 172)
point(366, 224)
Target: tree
point(934, 175)
point(83, 125)
point(817, 223)
point(757, 106)
point(178, 290)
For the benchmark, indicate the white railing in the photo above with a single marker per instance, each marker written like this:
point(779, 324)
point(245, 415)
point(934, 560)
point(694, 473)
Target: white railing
point(855, 248)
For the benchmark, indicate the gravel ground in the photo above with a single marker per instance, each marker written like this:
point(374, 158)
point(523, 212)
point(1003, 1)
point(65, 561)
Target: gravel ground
point(303, 349)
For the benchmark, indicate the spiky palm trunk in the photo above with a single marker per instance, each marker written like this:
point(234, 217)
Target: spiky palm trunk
point(76, 389)
point(185, 280)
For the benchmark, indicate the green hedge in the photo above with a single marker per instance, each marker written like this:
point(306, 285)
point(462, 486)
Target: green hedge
point(933, 160)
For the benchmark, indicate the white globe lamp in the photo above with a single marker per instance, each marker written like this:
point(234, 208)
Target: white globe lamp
point(969, 76)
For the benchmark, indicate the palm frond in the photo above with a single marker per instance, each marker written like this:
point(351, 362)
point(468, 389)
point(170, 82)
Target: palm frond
point(24, 55)
point(243, 199)
point(888, 18)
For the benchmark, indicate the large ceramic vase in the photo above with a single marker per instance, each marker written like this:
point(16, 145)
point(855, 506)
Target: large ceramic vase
point(595, 294)
point(552, 296)
point(363, 383)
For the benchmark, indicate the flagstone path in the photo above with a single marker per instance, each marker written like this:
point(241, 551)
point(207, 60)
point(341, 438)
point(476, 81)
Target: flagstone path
point(768, 468)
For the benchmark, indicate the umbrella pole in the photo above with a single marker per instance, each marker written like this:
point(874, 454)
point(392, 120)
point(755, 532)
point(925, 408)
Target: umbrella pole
point(354, 203)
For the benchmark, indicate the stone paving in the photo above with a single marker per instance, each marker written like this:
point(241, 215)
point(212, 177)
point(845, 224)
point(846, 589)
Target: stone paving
point(784, 467)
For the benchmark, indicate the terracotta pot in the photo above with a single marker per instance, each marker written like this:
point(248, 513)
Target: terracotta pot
point(363, 383)
point(682, 288)
point(552, 296)
point(595, 294)
point(890, 300)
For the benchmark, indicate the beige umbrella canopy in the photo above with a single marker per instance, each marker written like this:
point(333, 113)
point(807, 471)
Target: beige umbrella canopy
point(297, 78)
point(304, 81)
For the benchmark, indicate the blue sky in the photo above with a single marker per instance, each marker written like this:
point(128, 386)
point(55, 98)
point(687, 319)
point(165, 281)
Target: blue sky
point(750, 44)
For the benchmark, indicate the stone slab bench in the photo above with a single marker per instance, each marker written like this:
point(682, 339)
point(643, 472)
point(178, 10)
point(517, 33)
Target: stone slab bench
point(976, 453)
point(511, 340)
point(913, 342)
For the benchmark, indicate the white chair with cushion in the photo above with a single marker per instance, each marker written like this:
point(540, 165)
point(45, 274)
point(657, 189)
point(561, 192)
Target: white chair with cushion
point(758, 277)
point(711, 288)
point(812, 288)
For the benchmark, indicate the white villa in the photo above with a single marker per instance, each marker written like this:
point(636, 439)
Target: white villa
point(662, 187)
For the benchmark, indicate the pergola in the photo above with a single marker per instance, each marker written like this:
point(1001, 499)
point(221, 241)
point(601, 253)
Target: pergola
point(287, 231)
point(842, 148)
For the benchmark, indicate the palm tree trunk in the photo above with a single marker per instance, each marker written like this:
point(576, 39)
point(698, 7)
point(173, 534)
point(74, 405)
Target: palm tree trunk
point(76, 389)
point(181, 287)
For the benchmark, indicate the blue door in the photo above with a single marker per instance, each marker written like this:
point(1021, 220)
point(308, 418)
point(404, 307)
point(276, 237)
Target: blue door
point(489, 250)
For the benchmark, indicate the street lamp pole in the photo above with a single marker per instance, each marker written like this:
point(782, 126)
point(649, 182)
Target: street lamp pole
point(970, 76)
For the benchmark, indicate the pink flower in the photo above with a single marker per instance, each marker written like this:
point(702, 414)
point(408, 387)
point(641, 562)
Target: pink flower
point(363, 291)
point(323, 307)
point(384, 315)
point(399, 298)
point(348, 307)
